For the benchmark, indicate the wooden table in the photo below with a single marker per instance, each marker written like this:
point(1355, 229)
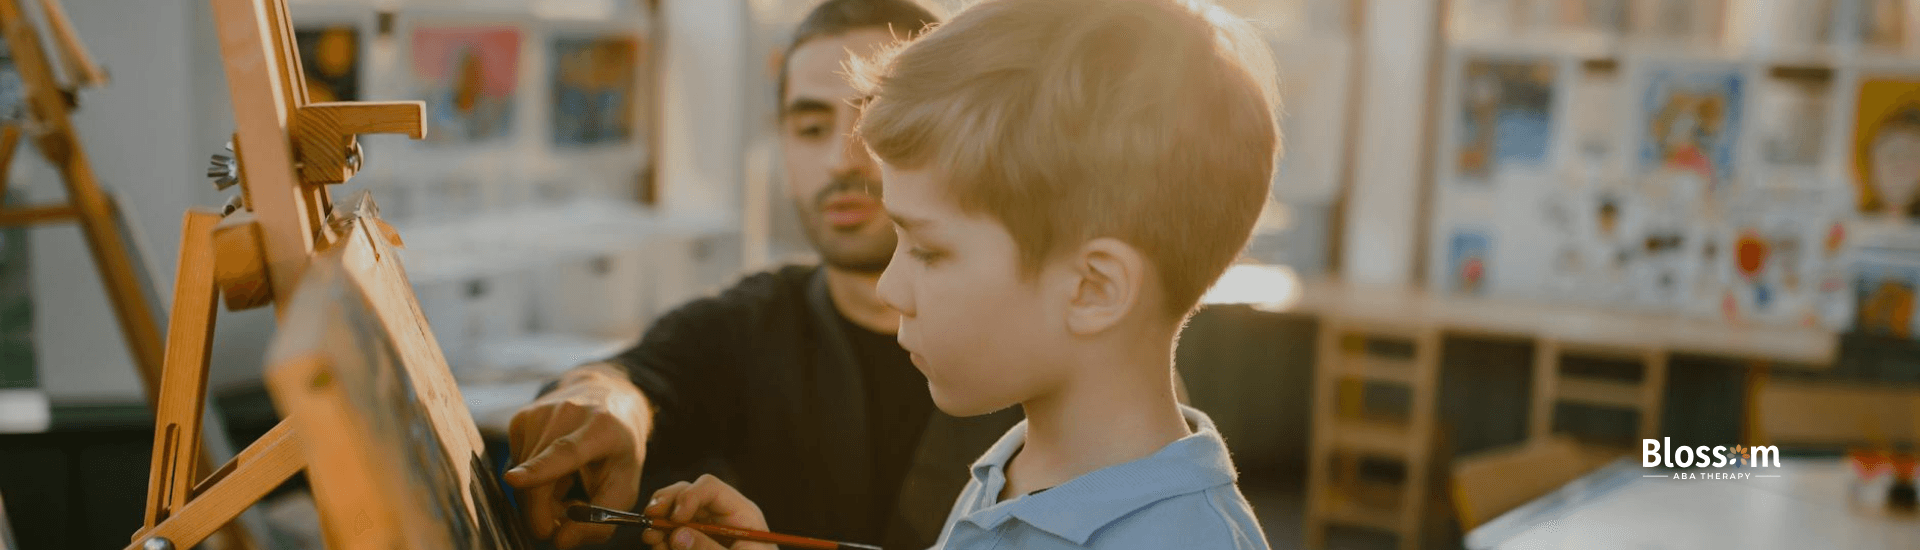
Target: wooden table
point(1618, 507)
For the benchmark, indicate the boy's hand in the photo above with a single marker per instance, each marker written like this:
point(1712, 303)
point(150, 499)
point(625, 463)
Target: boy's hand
point(595, 425)
point(706, 500)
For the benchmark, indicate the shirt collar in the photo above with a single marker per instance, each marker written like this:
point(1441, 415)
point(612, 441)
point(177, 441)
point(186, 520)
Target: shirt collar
point(1075, 510)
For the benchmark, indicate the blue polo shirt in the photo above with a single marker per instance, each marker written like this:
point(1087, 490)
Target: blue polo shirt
point(1182, 496)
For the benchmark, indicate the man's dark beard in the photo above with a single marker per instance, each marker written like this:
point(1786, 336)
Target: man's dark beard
point(858, 261)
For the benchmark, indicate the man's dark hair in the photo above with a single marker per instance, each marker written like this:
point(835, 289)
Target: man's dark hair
point(836, 17)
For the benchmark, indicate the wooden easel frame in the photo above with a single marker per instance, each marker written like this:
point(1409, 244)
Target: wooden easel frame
point(50, 127)
point(288, 150)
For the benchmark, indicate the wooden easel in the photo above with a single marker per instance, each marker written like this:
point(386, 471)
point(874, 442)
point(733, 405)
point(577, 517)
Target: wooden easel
point(48, 125)
point(287, 151)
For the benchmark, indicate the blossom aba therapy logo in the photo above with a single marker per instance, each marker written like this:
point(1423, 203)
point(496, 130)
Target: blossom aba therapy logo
point(1661, 453)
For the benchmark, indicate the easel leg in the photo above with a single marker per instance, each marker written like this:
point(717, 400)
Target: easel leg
point(9, 142)
point(183, 388)
point(182, 393)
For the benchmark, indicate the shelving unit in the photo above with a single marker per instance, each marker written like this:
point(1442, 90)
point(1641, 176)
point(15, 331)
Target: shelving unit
point(1392, 336)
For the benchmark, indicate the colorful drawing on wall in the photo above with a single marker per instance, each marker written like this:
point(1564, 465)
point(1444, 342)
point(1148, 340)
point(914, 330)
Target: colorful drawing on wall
point(1468, 253)
point(594, 83)
point(1792, 119)
point(330, 57)
point(1886, 147)
point(1690, 122)
point(469, 76)
point(1883, 23)
point(1884, 286)
point(1506, 116)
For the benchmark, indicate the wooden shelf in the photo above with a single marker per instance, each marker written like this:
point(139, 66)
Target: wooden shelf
point(1605, 393)
point(1372, 437)
point(1374, 368)
point(1367, 504)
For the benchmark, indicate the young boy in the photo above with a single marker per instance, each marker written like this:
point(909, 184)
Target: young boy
point(1067, 177)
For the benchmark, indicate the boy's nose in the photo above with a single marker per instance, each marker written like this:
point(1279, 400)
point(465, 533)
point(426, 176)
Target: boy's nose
point(890, 290)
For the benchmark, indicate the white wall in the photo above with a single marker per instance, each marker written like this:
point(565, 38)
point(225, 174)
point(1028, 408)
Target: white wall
point(138, 132)
point(1379, 242)
point(703, 129)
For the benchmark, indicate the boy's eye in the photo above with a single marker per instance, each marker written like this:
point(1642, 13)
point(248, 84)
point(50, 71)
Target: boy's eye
point(923, 255)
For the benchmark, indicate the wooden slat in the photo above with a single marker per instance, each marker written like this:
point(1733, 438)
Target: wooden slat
point(1327, 350)
point(1653, 393)
point(264, 100)
point(9, 144)
point(1378, 369)
point(258, 469)
point(36, 215)
point(1833, 414)
point(1372, 436)
point(1368, 504)
point(183, 390)
point(1599, 392)
point(73, 53)
point(1423, 420)
point(1546, 378)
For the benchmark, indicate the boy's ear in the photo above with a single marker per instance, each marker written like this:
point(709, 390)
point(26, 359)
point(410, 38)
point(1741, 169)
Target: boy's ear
point(1111, 275)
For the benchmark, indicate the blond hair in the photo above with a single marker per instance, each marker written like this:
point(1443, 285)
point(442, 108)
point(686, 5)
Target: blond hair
point(1149, 121)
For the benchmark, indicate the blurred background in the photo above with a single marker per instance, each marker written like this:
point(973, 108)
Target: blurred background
point(1506, 234)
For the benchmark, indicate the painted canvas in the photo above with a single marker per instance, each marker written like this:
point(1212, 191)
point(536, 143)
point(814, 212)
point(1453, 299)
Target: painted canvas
point(468, 77)
point(391, 448)
point(594, 84)
point(1886, 147)
point(1689, 122)
point(330, 56)
point(1506, 116)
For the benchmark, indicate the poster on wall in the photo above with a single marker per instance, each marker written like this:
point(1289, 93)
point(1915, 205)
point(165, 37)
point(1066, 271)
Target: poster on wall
point(468, 76)
point(1886, 148)
point(1883, 25)
point(1689, 121)
point(330, 57)
point(1469, 251)
point(1505, 116)
point(594, 88)
point(1791, 119)
point(1885, 281)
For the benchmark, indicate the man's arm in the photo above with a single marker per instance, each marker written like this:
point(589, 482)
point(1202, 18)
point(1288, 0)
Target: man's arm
point(598, 419)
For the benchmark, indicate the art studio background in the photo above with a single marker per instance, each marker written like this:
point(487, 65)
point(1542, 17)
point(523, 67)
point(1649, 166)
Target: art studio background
point(1678, 201)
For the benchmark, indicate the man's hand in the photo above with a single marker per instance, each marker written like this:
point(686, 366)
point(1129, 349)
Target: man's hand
point(706, 500)
point(595, 424)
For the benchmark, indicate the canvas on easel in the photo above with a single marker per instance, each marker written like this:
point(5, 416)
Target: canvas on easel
point(356, 369)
